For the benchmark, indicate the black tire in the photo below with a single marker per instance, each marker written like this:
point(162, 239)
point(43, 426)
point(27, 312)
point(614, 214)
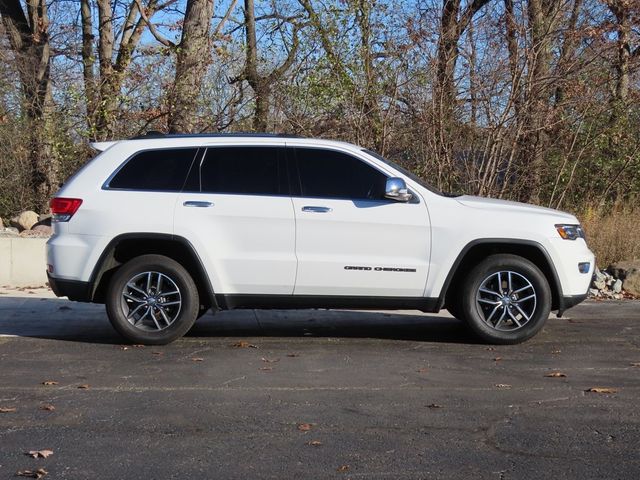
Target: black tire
point(173, 275)
point(476, 308)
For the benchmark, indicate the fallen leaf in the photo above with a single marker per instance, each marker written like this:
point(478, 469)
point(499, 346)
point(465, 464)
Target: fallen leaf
point(635, 364)
point(39, 473)
point(490, 349)
point(137, 345)
point(197, 359)
point(305, 427)
point(497, 359)
point(243, 344)
point(270, 360)
point(266, 369)
point(84, 386)
point(40, 453)
point(555, 352)
point(157, 353)
point(315, 443)
point(7, 409)
point(434, 405)
point(47, 407)
point(422, 370)
point(343, 468)
point(503, 385)
point(49, 382)
point(602, 390)
point(124, 347)
point(293, 355)
point(555, 374)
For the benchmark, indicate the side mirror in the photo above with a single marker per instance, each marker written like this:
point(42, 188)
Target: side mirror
point(396, 189)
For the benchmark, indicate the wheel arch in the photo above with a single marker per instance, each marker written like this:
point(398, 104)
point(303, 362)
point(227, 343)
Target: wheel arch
point(123, 248)
point(478, 249)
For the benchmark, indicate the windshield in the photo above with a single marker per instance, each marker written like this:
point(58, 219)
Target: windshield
point(406, 172)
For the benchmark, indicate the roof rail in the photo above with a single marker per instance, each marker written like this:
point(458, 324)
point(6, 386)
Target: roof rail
point(157, 134)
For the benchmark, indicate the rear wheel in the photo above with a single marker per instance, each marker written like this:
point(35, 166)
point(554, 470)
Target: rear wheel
point(152, 300)
point(505, 299)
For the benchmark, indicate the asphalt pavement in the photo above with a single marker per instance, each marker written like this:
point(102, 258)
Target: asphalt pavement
point(317, 394)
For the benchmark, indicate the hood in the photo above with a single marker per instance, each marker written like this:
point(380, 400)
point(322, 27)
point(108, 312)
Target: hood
point(506, 205)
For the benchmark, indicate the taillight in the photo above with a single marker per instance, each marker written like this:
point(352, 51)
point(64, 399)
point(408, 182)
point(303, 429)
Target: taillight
point(62, 209)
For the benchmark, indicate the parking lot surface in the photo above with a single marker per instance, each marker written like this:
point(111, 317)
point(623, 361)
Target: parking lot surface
point(318, 394)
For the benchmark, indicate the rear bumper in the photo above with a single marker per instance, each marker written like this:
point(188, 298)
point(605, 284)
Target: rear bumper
point(75, 290)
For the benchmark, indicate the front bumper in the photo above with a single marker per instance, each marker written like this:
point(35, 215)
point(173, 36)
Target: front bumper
point(568, 301)
point(75, 290)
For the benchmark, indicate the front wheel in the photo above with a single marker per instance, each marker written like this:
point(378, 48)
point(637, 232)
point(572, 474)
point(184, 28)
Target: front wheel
point(506, 299)
point(152, 300)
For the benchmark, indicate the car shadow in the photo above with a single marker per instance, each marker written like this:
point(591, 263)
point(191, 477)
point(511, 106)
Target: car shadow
point(59, 319)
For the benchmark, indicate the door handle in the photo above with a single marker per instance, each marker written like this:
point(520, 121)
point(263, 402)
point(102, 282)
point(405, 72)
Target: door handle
point(311, 208)
point(195, 203)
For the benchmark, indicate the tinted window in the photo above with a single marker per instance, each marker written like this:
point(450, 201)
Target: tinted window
point(245, 170)
point(331, 174)
point(163, 170)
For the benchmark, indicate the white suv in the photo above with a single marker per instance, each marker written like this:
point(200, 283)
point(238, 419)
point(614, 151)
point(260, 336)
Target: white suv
point(162, 228)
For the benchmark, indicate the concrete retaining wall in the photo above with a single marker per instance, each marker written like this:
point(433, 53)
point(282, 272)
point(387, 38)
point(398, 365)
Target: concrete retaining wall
point(23, 262)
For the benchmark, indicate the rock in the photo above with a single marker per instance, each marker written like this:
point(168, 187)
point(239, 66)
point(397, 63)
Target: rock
point(594, 292)
point(621, 269)
point(1, 225)
point(600, 284)
point(45, 229)
point(25, 220)
point(617, 286)
point(33, 234)
point(629, 273)
point(598, 275)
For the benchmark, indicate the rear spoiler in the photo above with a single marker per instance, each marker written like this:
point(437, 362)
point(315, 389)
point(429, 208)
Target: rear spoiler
point(101, 146)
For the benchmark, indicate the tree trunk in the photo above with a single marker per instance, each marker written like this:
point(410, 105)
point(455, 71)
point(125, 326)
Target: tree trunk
point(621, 10)
point(192, 60)
point(88, 61)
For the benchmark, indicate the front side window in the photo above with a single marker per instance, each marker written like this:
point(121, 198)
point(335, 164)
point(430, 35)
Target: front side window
point(242, 170)
point(156, 170)
point(333, 174)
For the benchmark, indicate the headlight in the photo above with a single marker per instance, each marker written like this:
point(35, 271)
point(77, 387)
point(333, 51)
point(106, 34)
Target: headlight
point(570, 232)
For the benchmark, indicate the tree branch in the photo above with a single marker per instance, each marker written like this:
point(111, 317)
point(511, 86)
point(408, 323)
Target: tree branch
point(152, 28)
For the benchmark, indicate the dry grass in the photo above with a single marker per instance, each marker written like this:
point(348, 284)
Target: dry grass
point(613, 235)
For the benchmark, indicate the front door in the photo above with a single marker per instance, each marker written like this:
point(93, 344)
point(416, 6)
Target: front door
point(350, 240)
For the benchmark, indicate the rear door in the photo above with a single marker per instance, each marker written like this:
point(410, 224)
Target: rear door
point(237, 211)
point(350, 240)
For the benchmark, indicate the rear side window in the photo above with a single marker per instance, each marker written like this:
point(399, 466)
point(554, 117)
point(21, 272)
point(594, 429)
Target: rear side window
point(243, 170)
point(332, 174)
point(157, 170)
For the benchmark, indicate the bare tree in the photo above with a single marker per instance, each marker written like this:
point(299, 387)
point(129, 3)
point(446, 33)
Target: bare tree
point(453, 22)
point(103, 91)
point(28, 34)
point(191, 63)
point(623, 11)
point(261, 84)
point(192, 59)
point(542, 16)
